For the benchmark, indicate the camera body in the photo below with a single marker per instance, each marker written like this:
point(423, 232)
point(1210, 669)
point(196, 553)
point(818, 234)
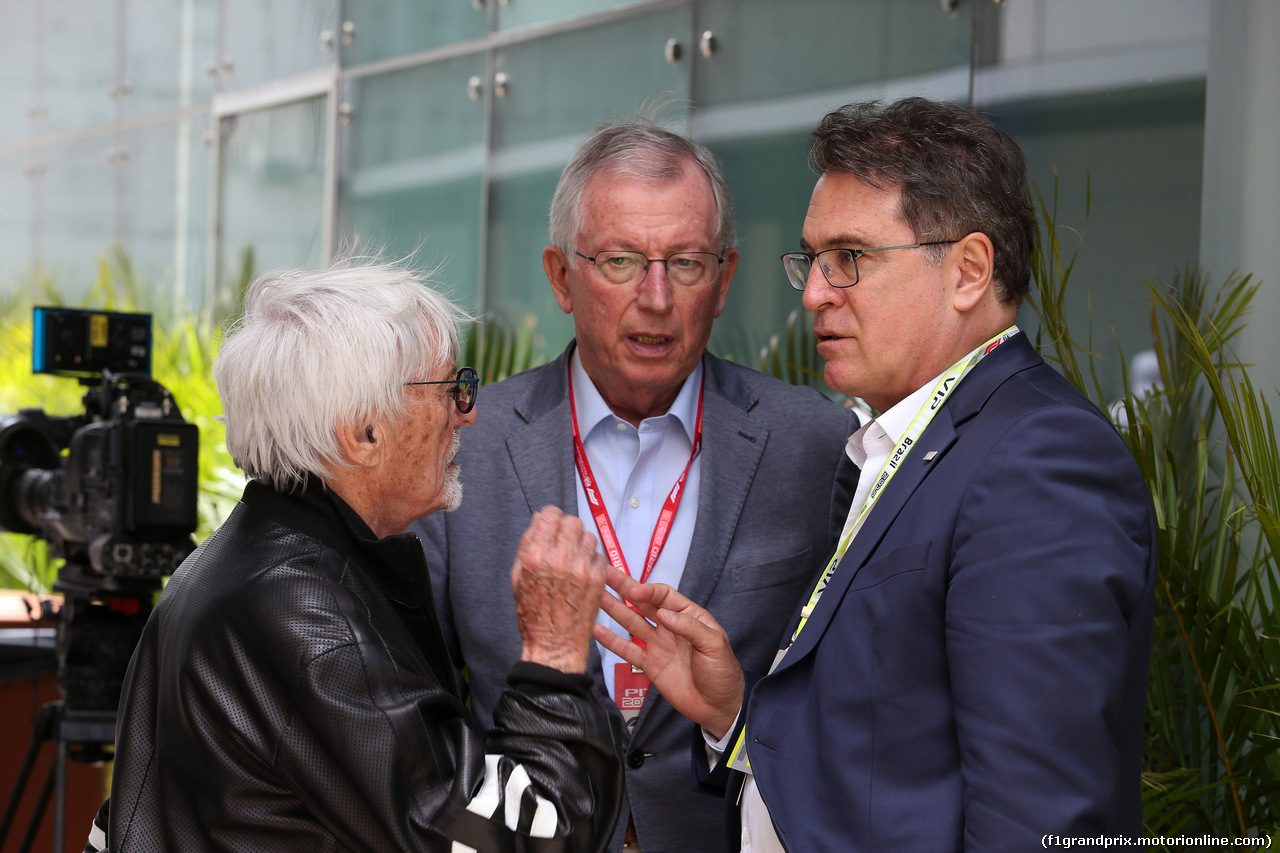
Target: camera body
point(113, 490)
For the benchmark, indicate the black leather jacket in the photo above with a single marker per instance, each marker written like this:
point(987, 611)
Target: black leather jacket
point(292, 691)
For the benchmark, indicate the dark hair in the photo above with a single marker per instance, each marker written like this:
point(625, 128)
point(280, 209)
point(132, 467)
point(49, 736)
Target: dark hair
point(958, 173)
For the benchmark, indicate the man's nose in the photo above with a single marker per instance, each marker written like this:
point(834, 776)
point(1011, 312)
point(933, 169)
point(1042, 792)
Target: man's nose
point(655, 288)
point(818, 291)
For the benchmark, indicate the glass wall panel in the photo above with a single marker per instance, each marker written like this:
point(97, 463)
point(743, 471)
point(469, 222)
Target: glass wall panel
point(15, 218)
point(1134, 161)
point(18, 54)
point(520, 13)
point(167, 47)
point(77, 211)
point(268, 39)
point(79, 67)
point(413, 161)
point(765, 49)
point(549, 106)
point(1107, 101)
point(163, 209)
point(272, 193)
point(775, 71)
point(397, 27)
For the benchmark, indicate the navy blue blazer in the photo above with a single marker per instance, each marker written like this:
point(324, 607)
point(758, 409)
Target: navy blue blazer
point(975, 675)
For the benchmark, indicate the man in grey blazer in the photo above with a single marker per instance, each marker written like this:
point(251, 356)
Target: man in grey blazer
point(694, 471)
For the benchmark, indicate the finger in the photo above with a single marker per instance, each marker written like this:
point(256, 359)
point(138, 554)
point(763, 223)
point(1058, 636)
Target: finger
point(538, 533)
point(653, 595)
point(642, 592)
point(623, 648)
point(551, 512)
point(704, 637)
point(621, 581)
point(533, 544)
point(641, 595)
point(628, 619)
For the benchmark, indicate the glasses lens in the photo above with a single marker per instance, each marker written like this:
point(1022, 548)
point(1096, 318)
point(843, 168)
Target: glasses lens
point(691, 268)
point(464, 391)
point(621, 267)
point(840, 266)
point(797, 266)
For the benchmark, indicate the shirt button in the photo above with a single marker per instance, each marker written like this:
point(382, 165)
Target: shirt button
point(746, 838)
point(635, 503)
point(622, 427)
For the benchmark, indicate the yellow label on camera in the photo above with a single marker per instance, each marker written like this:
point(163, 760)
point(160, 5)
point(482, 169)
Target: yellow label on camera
point(98, 330)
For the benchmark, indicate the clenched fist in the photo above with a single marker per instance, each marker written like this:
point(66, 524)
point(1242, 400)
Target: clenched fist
point(558, 578)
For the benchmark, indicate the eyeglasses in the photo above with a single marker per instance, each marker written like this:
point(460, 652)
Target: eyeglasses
point(840, 266)
point(464, 386)
point(686, 269)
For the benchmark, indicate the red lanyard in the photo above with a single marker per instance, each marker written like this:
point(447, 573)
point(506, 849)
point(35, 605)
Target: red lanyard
point(601, 515)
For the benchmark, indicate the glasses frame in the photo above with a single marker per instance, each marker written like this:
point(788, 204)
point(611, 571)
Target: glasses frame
point(648, 262)
point(466, 376)
point(857, 253)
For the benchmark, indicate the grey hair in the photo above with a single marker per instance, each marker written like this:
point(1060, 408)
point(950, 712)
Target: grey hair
point(641, 150)
point(317, 350)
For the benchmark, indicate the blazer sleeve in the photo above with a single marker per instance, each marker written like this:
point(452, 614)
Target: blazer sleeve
point(1048, 631)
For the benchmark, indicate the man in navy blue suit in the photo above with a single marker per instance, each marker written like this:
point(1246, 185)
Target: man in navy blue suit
point(969, 672)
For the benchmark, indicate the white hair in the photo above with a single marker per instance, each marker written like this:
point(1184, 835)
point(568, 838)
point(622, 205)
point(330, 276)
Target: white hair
point(318, 350)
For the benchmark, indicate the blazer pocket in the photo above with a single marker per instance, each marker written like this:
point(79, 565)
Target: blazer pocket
point(773, 573)
point(908, 558)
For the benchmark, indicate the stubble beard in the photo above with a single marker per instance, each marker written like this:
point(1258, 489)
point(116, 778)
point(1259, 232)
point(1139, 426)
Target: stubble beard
point(453, 486)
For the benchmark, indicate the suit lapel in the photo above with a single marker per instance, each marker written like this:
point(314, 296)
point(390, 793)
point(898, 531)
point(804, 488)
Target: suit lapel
point(542, 448)
point(939, 437)
point(732, 444)
point(1014, 356)
point(542, 453)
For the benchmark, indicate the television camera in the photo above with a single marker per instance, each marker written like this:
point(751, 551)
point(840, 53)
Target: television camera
point(112, 490)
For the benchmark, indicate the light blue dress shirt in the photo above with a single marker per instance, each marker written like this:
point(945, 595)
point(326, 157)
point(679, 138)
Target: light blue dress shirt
point(635, 470)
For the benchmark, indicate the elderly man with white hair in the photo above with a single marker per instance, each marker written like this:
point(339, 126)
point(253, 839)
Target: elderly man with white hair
point(292, 690)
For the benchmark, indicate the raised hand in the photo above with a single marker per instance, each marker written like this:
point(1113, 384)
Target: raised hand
point(558, 579)
point(680, 647)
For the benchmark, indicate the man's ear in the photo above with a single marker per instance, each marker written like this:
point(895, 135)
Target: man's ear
point(974, 259)
point(726, 278)
point(361, 444)
point(556, 266)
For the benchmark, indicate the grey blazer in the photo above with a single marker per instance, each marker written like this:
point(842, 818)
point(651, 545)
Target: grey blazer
point(776, 485)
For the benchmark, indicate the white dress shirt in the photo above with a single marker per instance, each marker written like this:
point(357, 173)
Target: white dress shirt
point(635, 470)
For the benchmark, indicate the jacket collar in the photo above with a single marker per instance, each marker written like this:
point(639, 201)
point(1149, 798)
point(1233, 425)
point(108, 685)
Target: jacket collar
point(394, 563)
point(967, 400)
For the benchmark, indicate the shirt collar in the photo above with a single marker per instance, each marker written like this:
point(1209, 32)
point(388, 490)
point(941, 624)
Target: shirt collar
point(593, 410)
point(892, 424)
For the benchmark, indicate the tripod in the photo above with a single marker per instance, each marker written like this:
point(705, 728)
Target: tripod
point(91, 731)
